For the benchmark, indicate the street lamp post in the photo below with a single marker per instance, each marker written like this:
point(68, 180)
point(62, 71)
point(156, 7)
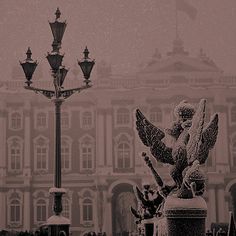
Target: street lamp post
point(57, 224)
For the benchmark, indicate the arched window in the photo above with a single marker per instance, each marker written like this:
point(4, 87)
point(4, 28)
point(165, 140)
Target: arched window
point(155, 115)
point(14, 208)
point(65, 120)
point(86, 204)
point(41, 120)
point(15, 211)
point(123, 155)
point(233, 114)
point(16, 121)
point(41, 148)
point(15, 154)
point(87, 153)
point(87, 120)
point(41, 211)
point(41, 205)
point(123, 116)
point(66, 153)
point(87, 210)
point(66, 208)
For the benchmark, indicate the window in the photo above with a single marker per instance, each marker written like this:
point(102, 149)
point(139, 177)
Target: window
point(233, 114)
point(41, 211)
point(123, 156)
point(41, 205)
point(123, 116)
point(65, 120)
point(66, 153)
point(15, 154)
point(123, 152)
point(66, 208)
point(15, 211)
point(41, 120)
point(15, 157)
point(86, 205)
point(87, 157)
point(41, 148)
point(87, 153)
point(87, 210)
point(155, 115)
point(16, 121)
point(87, 121)
point(41, 158)
point(14, 208)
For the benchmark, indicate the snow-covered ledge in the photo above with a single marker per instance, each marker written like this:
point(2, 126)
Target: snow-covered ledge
point(58, 220)
point(57, 190)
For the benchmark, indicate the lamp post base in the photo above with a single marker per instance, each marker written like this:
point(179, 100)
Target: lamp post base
point(150, 226)
point(58, 226)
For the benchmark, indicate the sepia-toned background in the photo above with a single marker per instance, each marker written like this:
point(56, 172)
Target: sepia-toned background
point(144, 59)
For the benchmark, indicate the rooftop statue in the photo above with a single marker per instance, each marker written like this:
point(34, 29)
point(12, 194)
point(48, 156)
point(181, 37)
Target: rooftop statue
point(192, 143)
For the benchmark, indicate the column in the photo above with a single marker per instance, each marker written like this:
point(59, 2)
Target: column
point(3, 127)
point(211, 205)
point(221, 146)
point(221, 204)
point(26, 167)
point(109, 138)
point(3, 209)
point(107, 223)
point(100, 139)
point(166, 123)
point(27, 140)
point(227, 209)
point(140, 167)
point(26, 210)
point(95, 209)
point(3, 165)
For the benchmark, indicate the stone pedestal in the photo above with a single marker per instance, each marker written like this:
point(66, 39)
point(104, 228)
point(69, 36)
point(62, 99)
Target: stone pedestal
point(185, 216)
point(149, 227)
point(58, 226)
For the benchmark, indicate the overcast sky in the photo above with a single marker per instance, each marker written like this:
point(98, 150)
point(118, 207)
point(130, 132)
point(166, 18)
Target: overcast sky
point(124, 33)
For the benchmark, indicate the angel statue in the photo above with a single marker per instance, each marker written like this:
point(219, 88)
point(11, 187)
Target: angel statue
point(192, 141)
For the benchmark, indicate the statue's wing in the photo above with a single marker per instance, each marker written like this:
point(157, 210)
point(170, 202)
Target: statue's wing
point(151, 136)
point(135, 213)
point(195, 131)
point(147, 132)
point(140, 196)
point(208, 139)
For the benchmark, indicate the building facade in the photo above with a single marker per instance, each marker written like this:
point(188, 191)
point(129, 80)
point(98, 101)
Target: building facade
point(100, 147)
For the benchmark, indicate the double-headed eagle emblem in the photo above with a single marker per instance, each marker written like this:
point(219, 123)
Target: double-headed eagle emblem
point(192, 141)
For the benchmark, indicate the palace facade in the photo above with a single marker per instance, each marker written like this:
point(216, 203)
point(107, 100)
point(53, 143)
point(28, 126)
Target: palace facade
point(100, 147)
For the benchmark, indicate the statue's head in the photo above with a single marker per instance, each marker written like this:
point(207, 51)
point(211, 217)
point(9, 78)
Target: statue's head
point(184, 111)
point(146, 185)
